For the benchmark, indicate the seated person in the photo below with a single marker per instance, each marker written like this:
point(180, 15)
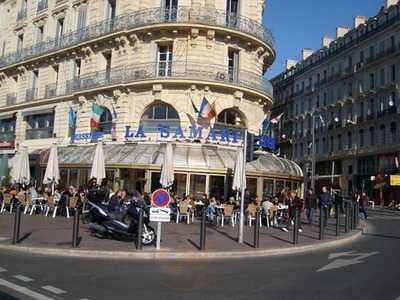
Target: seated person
point(271, 210)
point(211, 209)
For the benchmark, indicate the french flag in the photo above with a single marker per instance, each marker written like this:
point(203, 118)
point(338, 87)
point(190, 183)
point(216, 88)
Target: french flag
point(207, 110)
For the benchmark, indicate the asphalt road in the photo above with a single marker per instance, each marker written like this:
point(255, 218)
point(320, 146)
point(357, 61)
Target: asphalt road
point(368, 268)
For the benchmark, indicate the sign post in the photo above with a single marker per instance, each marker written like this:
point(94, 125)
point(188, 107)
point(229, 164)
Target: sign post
point(160, 212)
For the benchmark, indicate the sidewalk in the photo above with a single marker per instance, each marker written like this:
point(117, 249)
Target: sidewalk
point(40, 234)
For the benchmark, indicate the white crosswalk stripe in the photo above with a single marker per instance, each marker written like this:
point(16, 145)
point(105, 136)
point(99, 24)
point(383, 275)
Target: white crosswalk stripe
point(24, 290)
point(23, 278)
point(53, 290)
point(2, 270)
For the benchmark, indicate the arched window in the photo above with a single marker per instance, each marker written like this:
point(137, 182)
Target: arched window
point(230, 118)
point(105, 122)
point(159, 114)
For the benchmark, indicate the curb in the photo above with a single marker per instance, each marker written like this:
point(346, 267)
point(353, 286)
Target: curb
point(170, 255)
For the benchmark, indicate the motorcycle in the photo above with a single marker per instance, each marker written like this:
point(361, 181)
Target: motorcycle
point(104, 224)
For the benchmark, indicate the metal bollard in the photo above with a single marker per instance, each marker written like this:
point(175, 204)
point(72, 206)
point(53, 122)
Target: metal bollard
point(337, 219)
point(346, 223)
point(203, 230)
point(357, 214)
point(75, 229)
point(321, 223)
point(17, 224)
point(139, 231)
point(257, 229)
point(296, 226)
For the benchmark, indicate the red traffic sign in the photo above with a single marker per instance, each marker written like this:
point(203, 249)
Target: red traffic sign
point(160, 198)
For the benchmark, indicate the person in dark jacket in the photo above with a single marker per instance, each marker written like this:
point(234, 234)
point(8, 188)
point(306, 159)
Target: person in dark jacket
point(325, 201)
point(311, 205)
point(293, 202)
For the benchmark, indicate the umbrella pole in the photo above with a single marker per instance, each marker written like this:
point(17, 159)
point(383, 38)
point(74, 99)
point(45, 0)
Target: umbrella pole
point(241, 223)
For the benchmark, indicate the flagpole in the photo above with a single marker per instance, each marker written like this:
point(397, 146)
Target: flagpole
point(241, 224)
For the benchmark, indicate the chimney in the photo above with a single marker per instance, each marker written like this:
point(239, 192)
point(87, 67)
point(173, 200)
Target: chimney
point(326, 41)
point(341, 31)
point(306, 53)
point(290, 63)
point(390, 3)
point(359, 20)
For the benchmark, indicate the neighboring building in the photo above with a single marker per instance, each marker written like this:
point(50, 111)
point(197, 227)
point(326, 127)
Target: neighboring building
point(139, 65)
point(352, 85)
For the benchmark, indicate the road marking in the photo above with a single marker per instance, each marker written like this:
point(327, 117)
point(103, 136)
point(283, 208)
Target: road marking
point(24, 290)
point(23, 278)
point(2, 270)
point(53, 289)
point(341, 263)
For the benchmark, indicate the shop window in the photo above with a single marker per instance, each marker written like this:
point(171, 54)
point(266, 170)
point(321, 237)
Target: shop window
point(197, 185)
point(252, 187)
point(288, 185)
point(83, 177)
point(155, 181)
point(217, 187)
point(268, 187)
point(64, 177)
point(279, 186)
point(179, 186)
point(159, 114)
point(7, 129)
point(73, 177)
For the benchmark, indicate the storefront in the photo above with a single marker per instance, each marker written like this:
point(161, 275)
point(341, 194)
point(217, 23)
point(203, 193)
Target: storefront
point(199, 168)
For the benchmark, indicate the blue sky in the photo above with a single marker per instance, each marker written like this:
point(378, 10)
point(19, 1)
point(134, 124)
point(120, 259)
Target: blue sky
point(298, 24)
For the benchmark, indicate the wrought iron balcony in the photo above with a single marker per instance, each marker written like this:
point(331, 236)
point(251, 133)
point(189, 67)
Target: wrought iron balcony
point(39, 133)
point(31, 94)
point(140, 18)
point(50, 91)
point(177, 70)
point(11, 99)
point(22, 14)
point(42, 5)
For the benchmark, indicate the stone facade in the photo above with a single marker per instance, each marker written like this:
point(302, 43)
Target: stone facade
point(60, 55)
point(350, 87)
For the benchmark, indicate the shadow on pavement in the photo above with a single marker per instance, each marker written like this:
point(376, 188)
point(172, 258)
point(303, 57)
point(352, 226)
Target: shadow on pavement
point(382, 235)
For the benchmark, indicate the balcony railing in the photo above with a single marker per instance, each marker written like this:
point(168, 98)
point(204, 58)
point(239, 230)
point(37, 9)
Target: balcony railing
point(11, 99)
point(39, 133)
point(22, 14)
point(181, 70)
point(153, 16)
point(31, 94)
point(42, 5)
point(50, 91)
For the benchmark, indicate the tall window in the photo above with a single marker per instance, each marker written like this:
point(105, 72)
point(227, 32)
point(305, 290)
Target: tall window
point(7, 129)
point(40, 35)
point(382, 134)
point(361, 113)
point(232, 9)
point(111, 11)
point(361, 137)
point(107, 58)
point(77, 68)
point(159, 114)
point(164, 60)
point(59, 31)
point(372, 136)
point(382, 77)
point(393, 132)
point(105, 122)
point(81, 18)
point(20, 42)
point(171, 8)
point(339, 140)
point(331, 144)
point(233, 64)
point(393, 72)
point(372, 81)
point(349, 140)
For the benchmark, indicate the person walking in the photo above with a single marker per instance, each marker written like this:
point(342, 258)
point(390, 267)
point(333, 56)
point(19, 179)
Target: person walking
point(293, 202)
point(325, 203)
point(311, 205)
point(364, 204)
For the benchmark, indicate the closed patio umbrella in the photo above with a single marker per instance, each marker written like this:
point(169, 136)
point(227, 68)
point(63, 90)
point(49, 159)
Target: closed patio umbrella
point(238, 183)
point(98, 166)
point(52, 174)
point(167, 171)
point(20, 171)
point(4, 166)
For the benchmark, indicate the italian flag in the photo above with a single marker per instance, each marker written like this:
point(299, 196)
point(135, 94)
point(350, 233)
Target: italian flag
point(97, 111)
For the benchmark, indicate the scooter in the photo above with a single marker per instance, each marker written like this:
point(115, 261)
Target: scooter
point(104, 224)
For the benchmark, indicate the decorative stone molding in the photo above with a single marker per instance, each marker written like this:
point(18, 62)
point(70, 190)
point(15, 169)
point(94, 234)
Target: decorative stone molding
point(87, 53)
point(60, 12)
point(124, 42)
point(210, 39)
point(22, 70)
point(194, 34)
point(77, 3)
point(40, 20)
point(81, 100)
point(3, 78)
point(238, 95)
point(157, 91)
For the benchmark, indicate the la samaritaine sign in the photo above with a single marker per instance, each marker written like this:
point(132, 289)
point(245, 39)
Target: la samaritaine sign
point(213, 135)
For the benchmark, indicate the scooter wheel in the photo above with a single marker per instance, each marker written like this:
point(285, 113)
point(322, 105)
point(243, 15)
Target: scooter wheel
point(148, 238)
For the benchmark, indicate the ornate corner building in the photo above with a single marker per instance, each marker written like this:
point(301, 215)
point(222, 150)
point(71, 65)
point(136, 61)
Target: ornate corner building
point(350, 87)
point(143, 63)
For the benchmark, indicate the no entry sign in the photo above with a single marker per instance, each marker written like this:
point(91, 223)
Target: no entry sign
point(160, 198)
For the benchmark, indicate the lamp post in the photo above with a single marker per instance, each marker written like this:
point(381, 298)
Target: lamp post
point(313, 154)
